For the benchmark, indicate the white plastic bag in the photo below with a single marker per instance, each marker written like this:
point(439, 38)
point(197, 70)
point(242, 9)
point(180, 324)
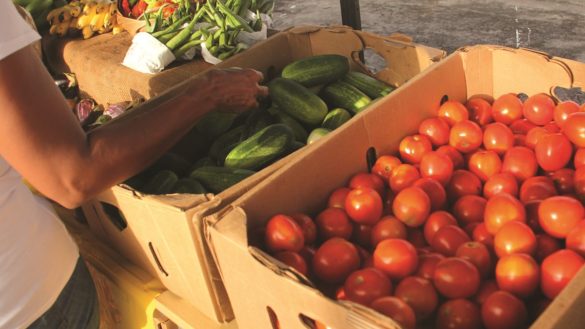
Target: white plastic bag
point(147, 54)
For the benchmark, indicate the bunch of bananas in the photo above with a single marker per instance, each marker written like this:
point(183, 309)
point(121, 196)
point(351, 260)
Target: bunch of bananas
point(87, 16)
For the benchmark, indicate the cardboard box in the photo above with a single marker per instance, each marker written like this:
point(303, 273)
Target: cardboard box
point(256, 283)
point(126, 293)
point(163, 234)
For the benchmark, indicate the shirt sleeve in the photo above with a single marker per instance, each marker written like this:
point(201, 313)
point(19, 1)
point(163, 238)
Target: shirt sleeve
point(15, 33)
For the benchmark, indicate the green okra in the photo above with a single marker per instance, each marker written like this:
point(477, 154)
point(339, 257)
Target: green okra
point(171, 28)
point(182, 36)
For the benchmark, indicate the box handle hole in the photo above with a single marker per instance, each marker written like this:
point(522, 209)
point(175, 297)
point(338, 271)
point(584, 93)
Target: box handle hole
point(311, 323)
point(273, 318)
point(115, 216)
point(156, 259)
point(444, 99)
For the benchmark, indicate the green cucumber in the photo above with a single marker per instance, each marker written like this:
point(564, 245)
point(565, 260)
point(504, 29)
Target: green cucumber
point(161, 183)
point(316, 70)
point(297, 101)
point(261, 148)
point(217, 179)
point(344, 95)
point(215, 123)
point(317, 134)
point(297, 128)
point(188, 185)
point(173, 162)
point(256, 121)
point(225, 143)
point(335, 118)
point(370, 86)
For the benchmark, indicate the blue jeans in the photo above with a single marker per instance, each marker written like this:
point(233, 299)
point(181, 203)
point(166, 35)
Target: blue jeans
point(76, 307)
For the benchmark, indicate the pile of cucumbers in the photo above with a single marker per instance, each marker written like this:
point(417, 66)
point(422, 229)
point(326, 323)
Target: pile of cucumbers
point(310, 98)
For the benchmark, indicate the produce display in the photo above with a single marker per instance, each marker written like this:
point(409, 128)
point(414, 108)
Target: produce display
point(87, 17)
point(225, 148)
point(39, 9)
point(477, 221)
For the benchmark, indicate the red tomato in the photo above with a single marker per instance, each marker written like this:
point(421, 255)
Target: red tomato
point(458, 314)
point(498, 137)
point(387, 228)
point(416, 237)
point(366, 285)
point(514, 237)
point(462, 183)
point(477, 254)
point(307, 226)
point(466, 136)
point(437, 166)
point(397, 310)
point(403, 176)
point(448, 238)
point(436, 129)
point(564, 180)
point(427, 264)
point(367, 180)
point(562, 111)
point(481, 234)
point(469, 209)
point(501, 182)
point(545, 246)
point(579, 159)
point(456, 278)
point(334, 222)
point(579, 182)
point(396, 257)
point(537, 188)
point(435, 221)
point(412, 148)
point(384, 166)
point(539, 109)
point(520, 161)
point(502, 310)
point(364, 206)
point(558, 215)
point(500, 209)
point(576, 239)
point(293, 260)
point(485, 290)
point(339, 295)
point(521, 126)
point(553, 151)
point(412, 206)
point(362, 235)
point(453, 112)
point(335, 260)
point(534, 135)
point(507, 108)
point(557, 270)
point(337, 198)
point(434, 190)
point(574, 128)
point(419, 294)
point(283, 233)
point(485, 164)
point(456, 157)
point(480, 110)
point(518, 274)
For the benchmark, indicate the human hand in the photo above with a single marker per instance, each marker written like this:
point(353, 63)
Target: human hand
point(235, 89)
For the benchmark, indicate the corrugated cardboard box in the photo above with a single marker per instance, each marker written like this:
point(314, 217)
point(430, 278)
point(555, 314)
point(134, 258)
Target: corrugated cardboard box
point(163, 233)
point(256, 284)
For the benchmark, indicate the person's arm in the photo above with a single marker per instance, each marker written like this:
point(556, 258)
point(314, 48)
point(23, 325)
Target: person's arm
point(42, 139)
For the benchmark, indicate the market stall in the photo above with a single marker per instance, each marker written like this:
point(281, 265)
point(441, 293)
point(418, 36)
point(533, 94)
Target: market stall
point(432, 192)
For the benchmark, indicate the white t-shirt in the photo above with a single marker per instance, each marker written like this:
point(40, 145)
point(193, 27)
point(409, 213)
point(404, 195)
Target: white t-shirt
point(37, 255)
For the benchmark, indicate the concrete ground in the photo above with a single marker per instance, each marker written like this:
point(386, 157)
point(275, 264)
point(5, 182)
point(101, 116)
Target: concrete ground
point(556, 27)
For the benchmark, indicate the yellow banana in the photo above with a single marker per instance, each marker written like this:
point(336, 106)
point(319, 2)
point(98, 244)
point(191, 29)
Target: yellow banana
point(98, 19)
point(87, 32)
point(73, 23)
point(109, 18)
point(74, 9)
point(89, 8)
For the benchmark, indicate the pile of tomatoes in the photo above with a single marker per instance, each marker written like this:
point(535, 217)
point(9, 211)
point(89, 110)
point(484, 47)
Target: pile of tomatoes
point(477, 222)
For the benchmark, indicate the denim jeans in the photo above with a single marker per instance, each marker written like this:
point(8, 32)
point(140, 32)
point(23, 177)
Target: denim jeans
point(76, 307)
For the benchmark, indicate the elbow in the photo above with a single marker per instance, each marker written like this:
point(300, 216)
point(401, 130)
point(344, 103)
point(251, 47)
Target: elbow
point(74, 194)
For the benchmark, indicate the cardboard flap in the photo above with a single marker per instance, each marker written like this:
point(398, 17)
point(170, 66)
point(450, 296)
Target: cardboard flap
point(410, 58)
point(360, 316)
point(180, 201)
